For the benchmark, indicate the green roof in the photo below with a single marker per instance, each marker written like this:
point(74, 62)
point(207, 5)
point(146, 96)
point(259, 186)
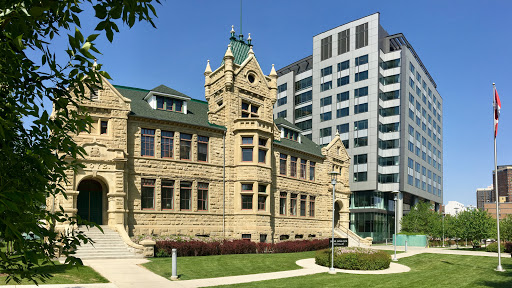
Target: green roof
point(240, 50)
point(306, 144)
point(197, 111)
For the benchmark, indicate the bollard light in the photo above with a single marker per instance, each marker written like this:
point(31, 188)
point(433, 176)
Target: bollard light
point(174, 265)
point(395, 194)
point(333, 174)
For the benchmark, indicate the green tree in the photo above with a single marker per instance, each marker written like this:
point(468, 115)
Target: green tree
point(36, 149)
point(475, 224)
point(506, 228)
point(422, 219)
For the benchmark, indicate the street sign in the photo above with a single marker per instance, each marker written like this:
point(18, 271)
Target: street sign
point(339, 242)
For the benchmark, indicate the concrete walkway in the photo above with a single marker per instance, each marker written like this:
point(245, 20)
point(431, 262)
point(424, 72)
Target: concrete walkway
point(127, 273)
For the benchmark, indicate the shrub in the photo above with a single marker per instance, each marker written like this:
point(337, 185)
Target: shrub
point(508, 247)
point(354, 258)
point(493, 247)
point(187, 247)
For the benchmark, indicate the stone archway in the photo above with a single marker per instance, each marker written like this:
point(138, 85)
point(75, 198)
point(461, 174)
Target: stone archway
point(338, 206)
point(90, 201)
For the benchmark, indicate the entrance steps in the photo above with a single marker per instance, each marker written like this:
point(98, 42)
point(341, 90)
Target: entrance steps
point(107, 245)
point(354, 240)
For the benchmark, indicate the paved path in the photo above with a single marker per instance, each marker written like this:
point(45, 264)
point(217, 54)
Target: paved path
point(127, 273)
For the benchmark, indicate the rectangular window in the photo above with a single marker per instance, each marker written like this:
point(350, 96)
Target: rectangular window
point(167, 144)
point(303, 199)
point(262, 199)
point(360, 176)
point(342, 96)
point(303, 111)
point(282, 203)
point(388, 178)
point(345, 144)
point(202, 148)
point(304, 83)
point(411, 131)
point(305, 125)
point(103, 127)
point(293, 204)
point(282, 114)
point(281, 101)
point(247, 187)
point(326, 101)
point(361, 108)
point(246, 202)
point(147, 194)
point(147, 147)
point(411, 114)
point(391, 127)
point(202, 196)
point(390, 79)
point(360, 125)
point(388, 161)
point(390, 64)
point(247, 151)
point(411, 67)
point(342, 128)
point(282, 87)
point(325, 132)
point(362, 35)
point(360, 92)
point(282, 163)
point(343, 112)
point(362, 60)
point(343, 81)
point(185, 195)
point(185, 146)
point(344, 41)
point(325, 116)
point(249, 110)
point(361, 76)
point(326, 48)
point(311, 206)
point(312, 170)
point(304, 97)
point(343, 65)
point(361, 141)
point(167, 195)
point(389, 144)
point(360, 159)
point(326, 71)
point(303, 168)
point(293, 166)
point(385, 96)
point(326, 86)
point(262, 151)
point(411, 82)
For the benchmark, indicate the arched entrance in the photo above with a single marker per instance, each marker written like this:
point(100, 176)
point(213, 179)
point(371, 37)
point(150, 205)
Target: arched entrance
point(337, 208)
point(90, 201)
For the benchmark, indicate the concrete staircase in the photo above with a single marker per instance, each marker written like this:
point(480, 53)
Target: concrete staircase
point(107, 245)
point(353, 239)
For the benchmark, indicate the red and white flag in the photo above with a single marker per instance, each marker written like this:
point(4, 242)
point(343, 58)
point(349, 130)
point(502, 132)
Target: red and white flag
point(497, 107)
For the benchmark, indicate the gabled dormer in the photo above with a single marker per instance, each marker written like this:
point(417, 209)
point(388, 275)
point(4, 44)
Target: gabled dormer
point(288, 130)
point(168, 99)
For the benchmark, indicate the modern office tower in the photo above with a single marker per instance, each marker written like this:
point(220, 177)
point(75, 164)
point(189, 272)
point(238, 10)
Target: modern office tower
point(372, 88)
point(504, 181)
point(484, 195)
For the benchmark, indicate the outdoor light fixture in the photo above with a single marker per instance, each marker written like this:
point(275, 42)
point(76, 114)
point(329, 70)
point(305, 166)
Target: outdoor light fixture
point(395, 197)
point(334, 175)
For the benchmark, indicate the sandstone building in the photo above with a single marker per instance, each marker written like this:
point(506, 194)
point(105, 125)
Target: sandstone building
point(160, 162)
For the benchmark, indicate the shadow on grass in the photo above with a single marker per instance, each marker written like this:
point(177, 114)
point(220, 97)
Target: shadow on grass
point(500, 284)
point(447, 262)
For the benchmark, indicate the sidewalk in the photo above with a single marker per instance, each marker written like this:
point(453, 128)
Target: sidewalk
point(127, 273)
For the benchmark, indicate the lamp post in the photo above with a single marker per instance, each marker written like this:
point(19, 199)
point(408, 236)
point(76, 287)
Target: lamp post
point(456, 215)
point(333, 174)
point(395, 198)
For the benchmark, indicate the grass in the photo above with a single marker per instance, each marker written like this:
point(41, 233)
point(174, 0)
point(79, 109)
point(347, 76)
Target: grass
point(427, 270)
point(227, 265)
point(63, 274)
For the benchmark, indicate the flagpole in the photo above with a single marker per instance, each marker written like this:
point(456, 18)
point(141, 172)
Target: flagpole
point(499, 268)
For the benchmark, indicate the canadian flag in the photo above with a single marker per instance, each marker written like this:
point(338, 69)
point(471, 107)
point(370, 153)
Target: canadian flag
point(497, 107)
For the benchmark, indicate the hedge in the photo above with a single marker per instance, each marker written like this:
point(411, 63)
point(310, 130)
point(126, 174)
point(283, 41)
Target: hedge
point(223, 247)
point(354, 258)
point(493, 247)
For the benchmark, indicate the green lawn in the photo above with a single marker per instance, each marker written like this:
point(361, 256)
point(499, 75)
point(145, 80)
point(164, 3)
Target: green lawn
point(227, 265)
point(427, 270)
point(63, 274)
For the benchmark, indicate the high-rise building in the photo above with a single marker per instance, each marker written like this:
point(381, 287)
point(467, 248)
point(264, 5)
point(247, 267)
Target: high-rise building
point(504, 181)
point(374, 90)
point(484, 195)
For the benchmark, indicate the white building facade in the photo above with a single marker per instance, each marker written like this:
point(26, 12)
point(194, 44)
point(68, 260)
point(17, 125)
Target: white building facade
point(374, 90)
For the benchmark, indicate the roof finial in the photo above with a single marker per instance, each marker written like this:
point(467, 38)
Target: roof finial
point(94, 65)
point(228, 52)
point(250, 51)
point(273, 71)
point(208, 68)
point(249, 39)
point(337, 133)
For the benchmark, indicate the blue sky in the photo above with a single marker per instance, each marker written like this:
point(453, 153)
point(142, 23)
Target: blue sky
point(465, 45)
